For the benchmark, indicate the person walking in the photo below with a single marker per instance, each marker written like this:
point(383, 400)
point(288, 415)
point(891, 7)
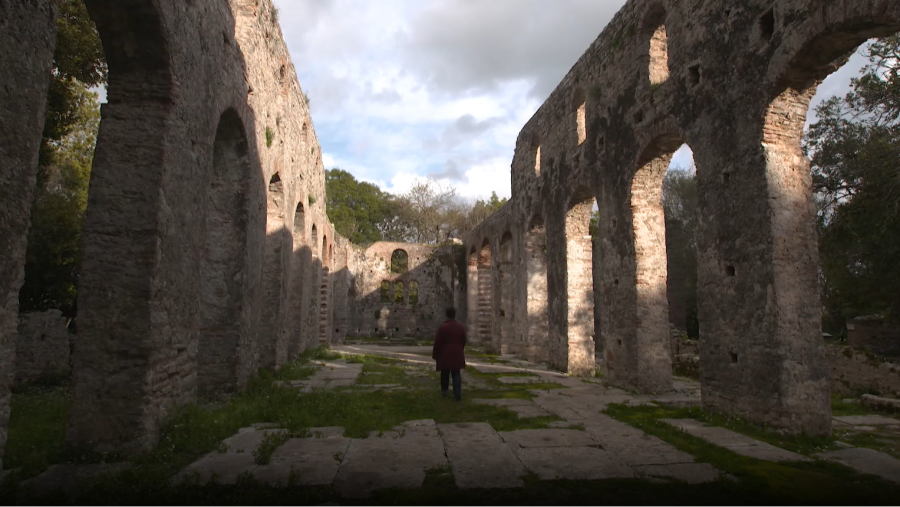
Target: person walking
point(448, 352)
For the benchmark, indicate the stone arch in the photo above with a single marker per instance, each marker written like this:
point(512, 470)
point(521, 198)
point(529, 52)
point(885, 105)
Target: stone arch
point(223, 267)
point(413, 297)
point(654, 28)
point(486, 296)
point(299, 280)
point(399, 296)
point(472, 293)
point(796, 387)
point(399, 261)
point(536, 290)
point(505, 314)
point(273, 343)
point(117, 292)
point(574, 351)
point(639, 356)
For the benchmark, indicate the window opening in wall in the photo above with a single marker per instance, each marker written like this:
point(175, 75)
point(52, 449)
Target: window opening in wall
point(659, 46)
point(694, 75)
point(399, 261)
point(537, 161)
point(275, 184)
point(413, 293)
point(315, 239)
point(398, 293)
point(385, 292)
point(578, 102)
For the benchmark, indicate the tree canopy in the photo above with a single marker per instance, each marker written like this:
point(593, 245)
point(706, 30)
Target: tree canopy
point(854, 147)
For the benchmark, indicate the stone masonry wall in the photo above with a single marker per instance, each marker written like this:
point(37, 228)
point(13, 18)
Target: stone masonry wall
point(732, 80)
point(875, 335)
point(431, 275)
point(206, 155)
point(852, 371)
point(27, 41)
point(42, 345)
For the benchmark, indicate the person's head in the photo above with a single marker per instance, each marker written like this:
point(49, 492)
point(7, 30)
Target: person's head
point(451, 312)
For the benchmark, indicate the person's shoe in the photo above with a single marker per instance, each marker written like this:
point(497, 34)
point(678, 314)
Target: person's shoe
point(443, 394)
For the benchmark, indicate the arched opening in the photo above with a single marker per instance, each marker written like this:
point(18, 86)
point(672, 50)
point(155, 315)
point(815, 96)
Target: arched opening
point(574, 351)
point(655, 28)
point(536, 147)
point(273, 344)
point(399, 261)
point(222, 260)
point(637, 345)
point(125, 246)
point(578, 106)
point(315, 280)
point(385, 292)
point(472, 294)
point(795, 390)
point(486, 297)
point(680, 209)
point(413, 294)
point(299, 270)
point(504, 313)
point(399, 297)
point(536, 306)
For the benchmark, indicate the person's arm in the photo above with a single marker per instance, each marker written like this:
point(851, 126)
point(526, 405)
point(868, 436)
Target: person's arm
point(436, 347)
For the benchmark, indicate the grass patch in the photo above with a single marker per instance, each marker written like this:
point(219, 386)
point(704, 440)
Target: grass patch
point(271, 440)
point(37, 429)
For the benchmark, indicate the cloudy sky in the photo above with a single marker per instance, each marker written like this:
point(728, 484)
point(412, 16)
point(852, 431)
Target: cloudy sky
point(404, 89)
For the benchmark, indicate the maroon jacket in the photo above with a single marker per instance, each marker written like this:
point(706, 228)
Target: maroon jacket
point(449, 343)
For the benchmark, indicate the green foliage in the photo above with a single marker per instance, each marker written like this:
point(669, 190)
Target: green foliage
point(270, 136)
point(853, 148)
point(37, 429)
point(399, 262)
point(53, 255)
point(271, 440)
point(78, 64)
point(355, 207)
point(681, 214)
point(311, 199)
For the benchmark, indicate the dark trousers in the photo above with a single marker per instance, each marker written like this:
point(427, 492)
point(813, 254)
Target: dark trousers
point(457, 382)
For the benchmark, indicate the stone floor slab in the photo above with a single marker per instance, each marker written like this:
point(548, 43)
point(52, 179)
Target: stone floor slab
point(479, 457)
point(577, 463)
point(519, 380)
point(326, 432)
point(313, 461)
point(393, 460)
point(68, 478)
point(735, 442)
point(867, 420)
point(224, 468)
point(691, 473)
point(548, 438)
point(638, 450)
point(867, 461)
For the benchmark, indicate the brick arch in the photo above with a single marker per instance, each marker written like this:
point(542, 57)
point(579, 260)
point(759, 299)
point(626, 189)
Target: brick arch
point(653, 29)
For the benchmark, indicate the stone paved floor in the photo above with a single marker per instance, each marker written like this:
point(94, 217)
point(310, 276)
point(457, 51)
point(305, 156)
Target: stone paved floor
point(585, 444)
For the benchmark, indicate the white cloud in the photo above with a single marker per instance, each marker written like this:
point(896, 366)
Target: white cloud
point(404, 89)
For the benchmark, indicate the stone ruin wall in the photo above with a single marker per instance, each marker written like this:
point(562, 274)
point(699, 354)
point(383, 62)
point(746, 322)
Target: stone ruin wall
point(853, 371)
point(431, 269)
point(733, 80)
point(207, 250)
point(42, 346)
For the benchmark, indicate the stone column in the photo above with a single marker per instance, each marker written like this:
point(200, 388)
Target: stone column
point(27, 41)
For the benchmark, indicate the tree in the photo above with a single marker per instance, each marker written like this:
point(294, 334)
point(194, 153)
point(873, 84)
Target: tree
point(679, 199)
point(483, 209)
point(854, 147)
point(356, 208)
point(53, 256)
point(78, 63)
